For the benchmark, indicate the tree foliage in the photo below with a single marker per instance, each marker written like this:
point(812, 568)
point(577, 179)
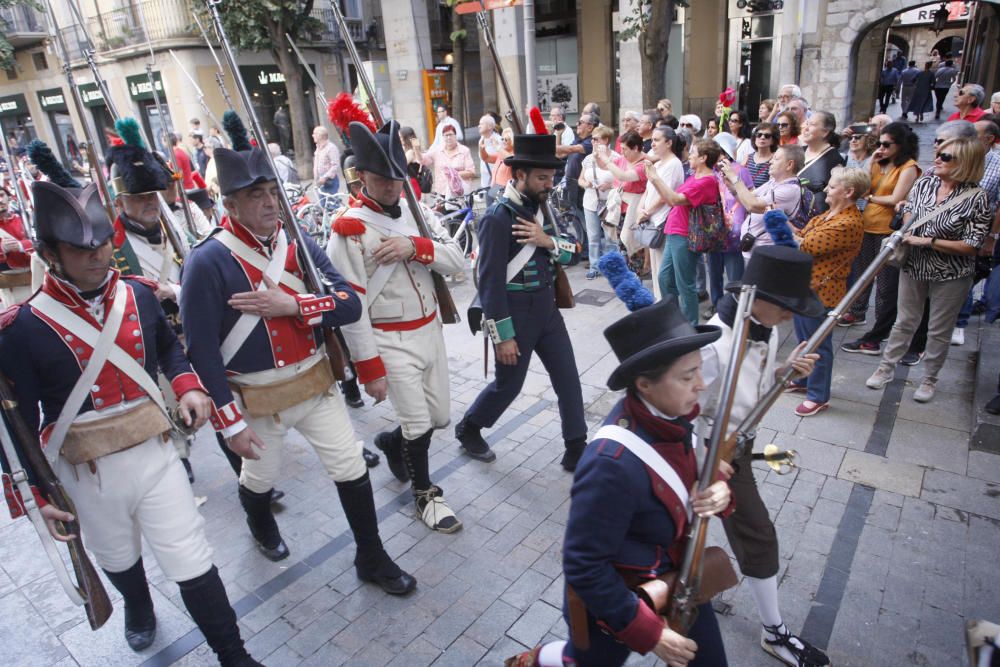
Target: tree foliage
point(6, 49)
point(649, 21)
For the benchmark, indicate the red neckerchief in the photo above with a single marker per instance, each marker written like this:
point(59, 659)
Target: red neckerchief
point(248, 237)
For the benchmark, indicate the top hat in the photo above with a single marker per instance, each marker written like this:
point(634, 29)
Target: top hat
point(241, 169)
point(379, 152)
point(70, 215)
point(651, 337)
point(534, 150)
point(782, 276)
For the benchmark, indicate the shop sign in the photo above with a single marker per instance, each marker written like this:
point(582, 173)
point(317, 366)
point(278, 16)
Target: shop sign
point(91, 94)
point(435, 92)
point(266, 76)
point(957, 11)
point(52, 99)
point(13, 105)
point(139, 87)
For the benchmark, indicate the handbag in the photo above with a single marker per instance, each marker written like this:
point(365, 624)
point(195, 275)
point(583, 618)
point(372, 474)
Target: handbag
point(649, 234)
point(611, 213)
point(902, 251)
point(707, 230)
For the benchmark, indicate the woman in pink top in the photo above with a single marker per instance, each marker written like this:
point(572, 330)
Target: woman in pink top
point(678, 273)
point(629, 170)
point(452, 164)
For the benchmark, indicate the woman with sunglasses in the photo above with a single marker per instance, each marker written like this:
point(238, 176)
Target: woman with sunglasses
point(788, 128)
point(859, 156)
point(758, 163)
point(941, 261)
point(739, 126)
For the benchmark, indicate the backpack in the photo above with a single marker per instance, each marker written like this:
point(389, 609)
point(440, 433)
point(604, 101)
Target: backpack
point(807, 209)
point(424, 176)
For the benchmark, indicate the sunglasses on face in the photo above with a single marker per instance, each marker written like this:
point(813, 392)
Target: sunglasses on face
point(938, 142)
point(764, 135)
point(858, 137)
point(944, 157)
point(784, 124)
point(886, 144)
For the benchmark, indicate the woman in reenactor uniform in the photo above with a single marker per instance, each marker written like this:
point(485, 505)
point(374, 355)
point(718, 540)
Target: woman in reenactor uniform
point(86, 348)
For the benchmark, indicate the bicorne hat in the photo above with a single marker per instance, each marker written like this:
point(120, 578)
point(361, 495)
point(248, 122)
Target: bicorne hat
point(782, 276)
point(241, 169)
point(70, 215)
point(651, 338)
point(534, 150)
point(379, 152)
point(200, 198)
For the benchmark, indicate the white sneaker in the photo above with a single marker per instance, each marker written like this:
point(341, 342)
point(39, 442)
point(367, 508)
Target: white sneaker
point(958, 336)
point(924, 392)
point(879, 379)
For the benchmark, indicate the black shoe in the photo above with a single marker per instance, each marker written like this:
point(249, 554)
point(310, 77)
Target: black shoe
point(790, 649)
point(276, 495)
point(911, 358)
point(391, 444)
point(473, 442)
point(993, 407)
point(574, 450)
point(352, 394)
point(190, 472)
point(387, 576)
point(371, 458)
point(140, 620)
point(140, 628)
point(263, 527)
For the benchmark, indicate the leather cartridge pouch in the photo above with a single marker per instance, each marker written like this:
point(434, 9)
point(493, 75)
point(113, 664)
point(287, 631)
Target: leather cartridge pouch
point(564, 291)
point(11, 280)
point(269, 399)
point(90, 440)
point(717, 575)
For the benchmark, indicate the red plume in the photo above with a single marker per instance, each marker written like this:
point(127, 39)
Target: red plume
point(537, 121)
point(343, 110)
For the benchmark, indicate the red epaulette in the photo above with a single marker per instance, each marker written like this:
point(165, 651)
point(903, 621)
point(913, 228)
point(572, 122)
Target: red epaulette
point(151, 284)
point(348, 226)
point(8, 315)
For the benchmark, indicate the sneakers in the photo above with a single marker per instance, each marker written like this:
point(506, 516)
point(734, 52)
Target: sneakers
point(434, 511)
point(810, 408)
point(850, 319)
point(862, 347)
point(911, 358)
point(778, 642)
point(593, 273)
point(924, 392)
point(879, 379)
point(958, 336)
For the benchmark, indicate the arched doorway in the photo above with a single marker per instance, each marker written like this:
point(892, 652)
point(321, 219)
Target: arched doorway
point(950, 47)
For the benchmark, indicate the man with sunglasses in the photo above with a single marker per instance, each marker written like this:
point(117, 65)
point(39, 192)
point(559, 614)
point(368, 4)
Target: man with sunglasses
point(969, 100)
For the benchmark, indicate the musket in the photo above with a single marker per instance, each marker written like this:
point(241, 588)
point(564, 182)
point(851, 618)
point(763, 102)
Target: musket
point(89, 54)
point(161, 111)
point(316, 282)
point(320, 93)
point(220, 73)
point(449, 313)
point(89, 591)
point(197, 90)
point(681, 610)
point(21, 204)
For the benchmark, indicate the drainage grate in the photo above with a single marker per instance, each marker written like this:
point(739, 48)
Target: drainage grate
point(593, 297)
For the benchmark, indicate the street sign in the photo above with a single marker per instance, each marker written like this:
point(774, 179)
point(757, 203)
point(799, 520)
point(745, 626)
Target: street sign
point(486, 5)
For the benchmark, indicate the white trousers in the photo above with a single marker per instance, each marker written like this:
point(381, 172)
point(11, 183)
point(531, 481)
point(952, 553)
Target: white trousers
point(323, 422)
point(141, 491)
point(416, 367)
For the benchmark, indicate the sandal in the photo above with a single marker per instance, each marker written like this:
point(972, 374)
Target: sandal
point(791, 650)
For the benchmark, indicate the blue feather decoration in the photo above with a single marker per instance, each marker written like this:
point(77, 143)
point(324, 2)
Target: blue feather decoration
point(237, 132)
point(776, 223)
point(626, 284)
point(128, 130)
point(41, 155)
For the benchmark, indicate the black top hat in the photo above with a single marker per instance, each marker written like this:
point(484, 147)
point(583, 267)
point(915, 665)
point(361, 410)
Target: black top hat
point(379, 152)
point(651, 337)
point(534, 150)
point(782, 276)
point(200, 197)
point(241, 169)
point(70, 215)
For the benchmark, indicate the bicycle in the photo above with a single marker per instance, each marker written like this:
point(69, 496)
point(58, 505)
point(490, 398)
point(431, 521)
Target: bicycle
point(567, 219)
point(315, 218)
point(459, 216)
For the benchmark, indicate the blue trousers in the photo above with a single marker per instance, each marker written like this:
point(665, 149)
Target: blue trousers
point(732, 262)
point(331, 187)
point(595, 237)
point(538, 328)
point(818, 383)
point(678, 275)
point(606, 651)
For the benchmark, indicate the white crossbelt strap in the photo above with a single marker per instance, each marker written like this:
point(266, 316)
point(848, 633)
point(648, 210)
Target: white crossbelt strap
point(152, 259)
point(258, 261)
point(374, 219)
point(104, 350)
point(645, 452)
point(520, 260)
point(274, 270)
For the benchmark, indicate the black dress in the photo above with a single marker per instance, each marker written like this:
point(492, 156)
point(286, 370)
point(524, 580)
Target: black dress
point(816, 175)
point(923, 94)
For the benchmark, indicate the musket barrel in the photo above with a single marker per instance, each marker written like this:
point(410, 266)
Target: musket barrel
point(21, 204)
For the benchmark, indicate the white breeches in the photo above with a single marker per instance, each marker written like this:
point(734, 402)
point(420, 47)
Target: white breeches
point(13, 295)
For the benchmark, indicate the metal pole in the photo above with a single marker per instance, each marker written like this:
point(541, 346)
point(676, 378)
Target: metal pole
point(21, 204)
point(530, 76)
point(220, 73)
point(197, 90)
point(514, 117)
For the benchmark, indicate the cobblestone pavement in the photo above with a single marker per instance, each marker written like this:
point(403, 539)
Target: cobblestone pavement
point(889, 533)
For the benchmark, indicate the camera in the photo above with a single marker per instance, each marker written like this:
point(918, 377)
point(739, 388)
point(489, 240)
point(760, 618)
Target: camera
point(747, 241)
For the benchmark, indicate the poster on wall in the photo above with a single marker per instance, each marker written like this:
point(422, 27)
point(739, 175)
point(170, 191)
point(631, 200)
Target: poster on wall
point(558, 90)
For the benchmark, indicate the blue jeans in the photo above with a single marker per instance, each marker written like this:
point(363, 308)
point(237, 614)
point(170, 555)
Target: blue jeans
point(678, 274)
point(732, 262)
point(818, 383)
point(331, 187)
point(595, 237)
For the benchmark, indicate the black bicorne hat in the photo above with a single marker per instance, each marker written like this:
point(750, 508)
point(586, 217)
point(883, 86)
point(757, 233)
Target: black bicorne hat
point(782, 276)
point(200, 198)
point(70, 215)
point(241, 169)
point(652, 337)
point(534, 150)
point(379, 152)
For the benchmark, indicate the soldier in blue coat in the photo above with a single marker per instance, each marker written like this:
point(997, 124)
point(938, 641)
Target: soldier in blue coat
point(518, 254)
point(626, 522)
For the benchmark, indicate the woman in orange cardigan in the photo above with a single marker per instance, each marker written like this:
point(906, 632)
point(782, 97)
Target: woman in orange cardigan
point(833, 238)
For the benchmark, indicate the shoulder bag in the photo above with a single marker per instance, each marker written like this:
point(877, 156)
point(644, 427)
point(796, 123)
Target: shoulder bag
point(902, 250)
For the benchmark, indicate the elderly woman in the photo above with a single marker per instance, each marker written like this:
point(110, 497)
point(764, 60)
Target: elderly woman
point(819, 136)
point(765, 143)
point(833, 239)
point(995, 103)
point(596, 182)
point(501, 172)
point(860, 148)
point(629, 170)
point(690, 122)
point(625, 520)
point(452, 164)
point(788, 128)
point(942, 256)
point(765, 110)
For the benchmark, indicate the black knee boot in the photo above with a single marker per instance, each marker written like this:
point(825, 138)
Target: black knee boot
point(371, 561)
point(391, 444)
point(206, 600)
point(140, 621)
point(431, 506)
point(236, 463)
point(262, 525)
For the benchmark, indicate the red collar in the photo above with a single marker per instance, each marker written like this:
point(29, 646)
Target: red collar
point(65, 293)
point(248, 237)
point(363, 200)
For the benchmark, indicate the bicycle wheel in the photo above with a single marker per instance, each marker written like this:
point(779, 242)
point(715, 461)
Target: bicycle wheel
point(310, 219)
point(572, 229)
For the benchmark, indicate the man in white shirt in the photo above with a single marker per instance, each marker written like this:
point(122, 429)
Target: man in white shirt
point(443, 120)
point(490, 142)
point(558, 115)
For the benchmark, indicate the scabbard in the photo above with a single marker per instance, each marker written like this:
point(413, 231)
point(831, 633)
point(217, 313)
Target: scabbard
point(579, 629)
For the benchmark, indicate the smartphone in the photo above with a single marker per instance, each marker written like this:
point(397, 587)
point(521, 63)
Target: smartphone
point(861, 128)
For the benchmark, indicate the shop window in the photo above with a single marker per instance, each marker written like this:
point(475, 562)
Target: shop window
point(12, 73)
point(39, 60)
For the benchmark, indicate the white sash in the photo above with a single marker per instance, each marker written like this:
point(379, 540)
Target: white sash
point(151, 259)
point(102, 341)
point(645, 452)
point(274, 270)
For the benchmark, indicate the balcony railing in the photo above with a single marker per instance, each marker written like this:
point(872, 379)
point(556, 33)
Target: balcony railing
point(331, 31)
point(163, 19)
point(22, 25)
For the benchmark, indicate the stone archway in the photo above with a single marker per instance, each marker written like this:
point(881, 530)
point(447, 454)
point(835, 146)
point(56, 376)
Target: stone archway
point(828, 80)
